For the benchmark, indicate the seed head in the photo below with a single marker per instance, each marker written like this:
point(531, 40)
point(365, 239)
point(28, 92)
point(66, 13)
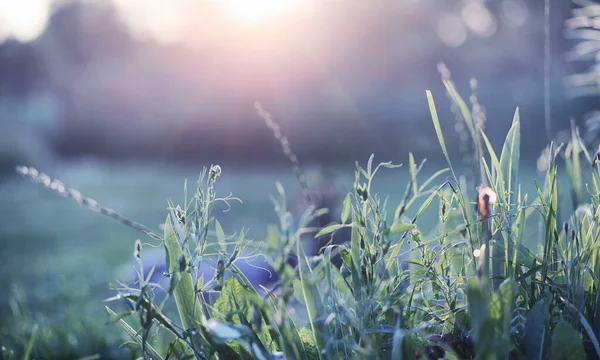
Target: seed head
point(137, 249)
point(215, 172)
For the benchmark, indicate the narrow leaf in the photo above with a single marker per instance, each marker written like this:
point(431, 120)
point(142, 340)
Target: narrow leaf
point(328, 229)
point(398, 228)
point(346, 208)
point(436, 125)
point(509, 159)
point(312, 299)
point(220, 235)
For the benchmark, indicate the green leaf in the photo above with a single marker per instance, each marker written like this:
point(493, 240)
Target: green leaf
point(496, 164)
point(31, 342)
point(478, 310)
point(113, 318)
point(312, 299)
point(509, 159)
point(220, 235)
point(536, 330)
point(346, 208)
point(370, 164)
point(329, 229)
point(506, 295)
point(496, 307)
point(346, 255)
point(153, 354)
point(355, 239)
point(402, 227)
point(188, 306)
point(436, 125)
point(232, 290)
point(308, 343)
point(566, 343)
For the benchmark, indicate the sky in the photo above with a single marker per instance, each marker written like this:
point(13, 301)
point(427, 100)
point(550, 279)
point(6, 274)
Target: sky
point(175, 20)
point(165, 20)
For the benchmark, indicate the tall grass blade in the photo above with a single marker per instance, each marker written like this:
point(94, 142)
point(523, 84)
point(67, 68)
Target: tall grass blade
point(312, 299)
point(499, 181)
point(31, 342)
point(438, 129)
point(509, 158)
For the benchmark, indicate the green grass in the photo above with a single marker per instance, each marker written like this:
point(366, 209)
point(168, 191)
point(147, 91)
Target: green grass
point(72, 256)
point(519, 283)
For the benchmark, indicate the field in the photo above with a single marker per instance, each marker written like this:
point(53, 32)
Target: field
point(59, 258)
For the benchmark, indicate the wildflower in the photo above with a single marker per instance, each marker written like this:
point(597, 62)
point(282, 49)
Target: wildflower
point(596, 157)
point(485, 197)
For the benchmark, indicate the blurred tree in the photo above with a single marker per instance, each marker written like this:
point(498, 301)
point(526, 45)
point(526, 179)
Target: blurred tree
point(21, 68)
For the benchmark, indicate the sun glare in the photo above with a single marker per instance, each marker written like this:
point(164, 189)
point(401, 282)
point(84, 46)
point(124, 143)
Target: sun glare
point(23, 20)
point(257, 10)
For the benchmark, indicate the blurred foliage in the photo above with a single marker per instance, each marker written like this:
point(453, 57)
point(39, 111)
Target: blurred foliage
point(118, 93)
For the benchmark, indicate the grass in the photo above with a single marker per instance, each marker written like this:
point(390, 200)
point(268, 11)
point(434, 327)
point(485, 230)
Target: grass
point(512, 277)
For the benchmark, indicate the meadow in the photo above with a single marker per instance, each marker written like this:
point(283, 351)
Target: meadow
point(66, 257)
point(482, 252)
point(417, 278)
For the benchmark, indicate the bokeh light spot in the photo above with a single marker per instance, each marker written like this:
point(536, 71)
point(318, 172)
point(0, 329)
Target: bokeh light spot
point(479, 19)
point(451, 30)
point(514, 13)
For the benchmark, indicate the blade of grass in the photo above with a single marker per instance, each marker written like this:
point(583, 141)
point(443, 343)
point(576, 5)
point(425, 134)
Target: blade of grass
point(31, 342)
point(509, 158)
point(312, 299)
point(438, 129)
point(154, 355)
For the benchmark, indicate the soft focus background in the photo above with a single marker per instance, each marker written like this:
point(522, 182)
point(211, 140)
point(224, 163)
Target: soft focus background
point(125, 99)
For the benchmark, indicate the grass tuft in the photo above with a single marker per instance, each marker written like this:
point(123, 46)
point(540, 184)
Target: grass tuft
point(467, 289)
